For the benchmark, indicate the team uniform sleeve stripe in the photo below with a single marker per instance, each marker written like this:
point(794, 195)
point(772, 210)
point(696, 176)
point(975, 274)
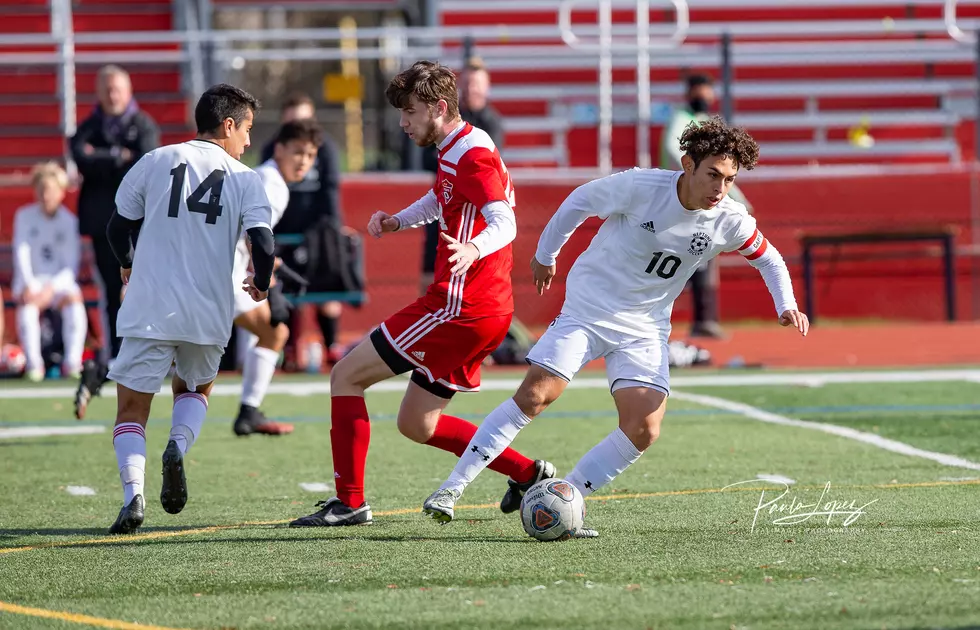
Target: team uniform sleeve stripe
point(749, 242)
point(758, 252)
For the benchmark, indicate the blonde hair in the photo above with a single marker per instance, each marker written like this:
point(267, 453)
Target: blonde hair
point(49, 170)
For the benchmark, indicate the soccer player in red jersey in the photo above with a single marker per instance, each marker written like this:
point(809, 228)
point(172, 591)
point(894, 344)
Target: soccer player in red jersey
point(445, 335)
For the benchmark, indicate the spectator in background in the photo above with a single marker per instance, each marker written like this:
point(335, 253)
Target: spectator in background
point(474, 108)
point(700, 99)
point(105, 147)
point(314, 199)
point(46, 255)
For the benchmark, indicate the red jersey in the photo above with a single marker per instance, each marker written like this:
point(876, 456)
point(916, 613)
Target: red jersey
point(471, 175)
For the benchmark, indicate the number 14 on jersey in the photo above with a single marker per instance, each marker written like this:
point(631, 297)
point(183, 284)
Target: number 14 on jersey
point(211, 209)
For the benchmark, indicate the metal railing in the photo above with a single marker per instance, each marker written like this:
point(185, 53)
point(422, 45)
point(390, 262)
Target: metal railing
point(641, 46)
point(608, 44)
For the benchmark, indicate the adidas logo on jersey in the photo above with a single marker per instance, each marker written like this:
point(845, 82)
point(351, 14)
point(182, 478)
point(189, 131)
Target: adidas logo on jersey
point(418, 354)
point(648, 226)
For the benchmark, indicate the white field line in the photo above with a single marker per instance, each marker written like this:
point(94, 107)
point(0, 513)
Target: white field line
point(80, 491)
point(868, 438)
point(811, 379)
point(28, 432)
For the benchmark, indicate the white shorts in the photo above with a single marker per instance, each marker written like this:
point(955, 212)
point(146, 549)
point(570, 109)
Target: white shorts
point(62, 286)
point(631, 361)
point(143, 364)
point(244, 302)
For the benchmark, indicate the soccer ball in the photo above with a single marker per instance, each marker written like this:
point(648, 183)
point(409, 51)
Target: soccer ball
point(552, 509)
point(12, 360)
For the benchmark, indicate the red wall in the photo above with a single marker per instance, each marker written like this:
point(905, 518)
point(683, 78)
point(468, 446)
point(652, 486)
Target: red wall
point(897, 282)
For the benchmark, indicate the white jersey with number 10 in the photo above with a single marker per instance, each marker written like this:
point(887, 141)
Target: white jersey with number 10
point(195, 200)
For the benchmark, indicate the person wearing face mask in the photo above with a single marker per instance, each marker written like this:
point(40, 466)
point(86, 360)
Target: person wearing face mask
point(700, 101)
point(107, 144)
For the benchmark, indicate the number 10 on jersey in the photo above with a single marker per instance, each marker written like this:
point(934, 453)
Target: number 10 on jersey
point(210, 209)
point(667, 266)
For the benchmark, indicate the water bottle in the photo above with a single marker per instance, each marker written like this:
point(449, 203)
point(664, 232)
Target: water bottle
point(314, 357)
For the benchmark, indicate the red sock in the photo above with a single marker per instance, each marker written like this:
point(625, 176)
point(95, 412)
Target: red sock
point(350, 434)
point(454, 434)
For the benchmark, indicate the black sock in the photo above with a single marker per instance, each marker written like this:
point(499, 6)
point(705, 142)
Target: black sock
point(328, 328)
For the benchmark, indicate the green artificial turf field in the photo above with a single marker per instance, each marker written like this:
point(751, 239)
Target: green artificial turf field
point(676, 549)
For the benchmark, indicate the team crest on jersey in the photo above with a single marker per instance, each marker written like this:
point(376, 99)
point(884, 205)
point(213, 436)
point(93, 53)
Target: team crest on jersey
point(700, 243)
point(447, 190)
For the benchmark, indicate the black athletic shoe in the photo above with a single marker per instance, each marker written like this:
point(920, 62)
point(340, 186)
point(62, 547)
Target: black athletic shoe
point(515, 491)
point(173, 493)
point(90, 384)
point(130, 517)
point(334, 513)
point(251, 420)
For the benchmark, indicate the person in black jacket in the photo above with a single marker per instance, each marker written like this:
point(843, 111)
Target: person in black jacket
point(474, 108)
point(311, 201)
point(105, 147)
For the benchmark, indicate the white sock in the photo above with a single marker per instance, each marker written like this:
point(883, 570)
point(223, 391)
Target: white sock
point(74, 326)
point(260, 366)
point(129, 441)
point(188, 417)
point(29, 331)
point(607, 460)
point(495, 434)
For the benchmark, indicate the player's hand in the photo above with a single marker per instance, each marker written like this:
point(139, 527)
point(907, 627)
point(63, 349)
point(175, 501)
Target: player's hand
point(275, 264)
point(381, 223)
point(124, 274)
point(542, 275)
point(248, 286)
point(464, 254)
point(796, 319)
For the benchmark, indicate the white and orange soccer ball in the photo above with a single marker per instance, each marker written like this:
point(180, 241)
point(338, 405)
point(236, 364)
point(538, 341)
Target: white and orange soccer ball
point(552, 509)
point(12, 360)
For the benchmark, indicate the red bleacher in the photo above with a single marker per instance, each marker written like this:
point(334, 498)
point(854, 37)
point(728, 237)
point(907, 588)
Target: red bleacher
point(516, 82)
point(29, 106)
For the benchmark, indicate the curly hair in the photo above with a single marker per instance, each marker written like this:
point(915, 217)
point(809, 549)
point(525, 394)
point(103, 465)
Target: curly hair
point(702, 139)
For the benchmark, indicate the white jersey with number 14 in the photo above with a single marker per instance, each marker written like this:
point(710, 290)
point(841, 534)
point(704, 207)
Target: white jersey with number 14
point(195, 200)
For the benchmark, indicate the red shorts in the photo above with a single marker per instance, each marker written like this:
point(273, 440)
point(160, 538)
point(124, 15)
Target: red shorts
point(447, 350)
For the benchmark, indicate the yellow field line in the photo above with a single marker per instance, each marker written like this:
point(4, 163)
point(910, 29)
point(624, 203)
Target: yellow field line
point(606, 497)
point(98, 622)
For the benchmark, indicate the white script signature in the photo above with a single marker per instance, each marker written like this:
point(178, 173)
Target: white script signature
point(795, 512)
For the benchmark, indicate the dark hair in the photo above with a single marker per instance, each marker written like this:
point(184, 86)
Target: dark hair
point(304, 130)
point(429, 82)
point(702, 139)
point(696, 80)
point(221, 102)
point(296, 99)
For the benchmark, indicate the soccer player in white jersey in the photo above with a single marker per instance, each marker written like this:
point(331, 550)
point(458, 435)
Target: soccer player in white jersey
point(659, 227)
point(46, 254)
point(296, 146)
point(191, 202)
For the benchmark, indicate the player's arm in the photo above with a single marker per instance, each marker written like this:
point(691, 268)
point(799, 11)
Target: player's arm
point(22, 254)
point(480, 181)
point(128, 216)
point(263, 247)
point(601, 198)
point(256, 219)
point(762, 255)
